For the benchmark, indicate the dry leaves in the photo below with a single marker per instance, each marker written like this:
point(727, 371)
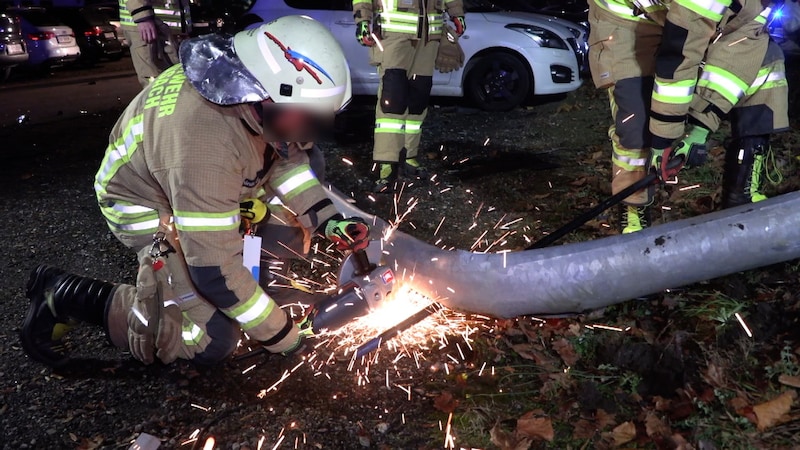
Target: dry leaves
point(445, 402)
point(789, 380)
point(623, 433)
point(775, 411)
point(566, 351)
point(655, 426)
point(505, 440)
point(535, 426)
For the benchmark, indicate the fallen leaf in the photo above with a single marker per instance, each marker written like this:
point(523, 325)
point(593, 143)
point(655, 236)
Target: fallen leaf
point(90, 443)
point(775, 411)
point(566, 351)
point(534, 427)
point(445, 402)
point(505, 440)
point(655, 427)
point(789, 380)
point(604, 419)
point(623, 433)
point(715, 376)
point(579, 182)
point(584, 429)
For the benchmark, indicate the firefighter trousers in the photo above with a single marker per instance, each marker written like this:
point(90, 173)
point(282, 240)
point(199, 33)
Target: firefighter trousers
point(405, 66)
point(149, 60)
point(622, 59)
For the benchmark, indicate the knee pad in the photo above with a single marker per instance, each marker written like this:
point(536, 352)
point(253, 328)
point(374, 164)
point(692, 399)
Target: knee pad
point(394, 91)
point(419, 90)
point(632, 97)
point(224, 334)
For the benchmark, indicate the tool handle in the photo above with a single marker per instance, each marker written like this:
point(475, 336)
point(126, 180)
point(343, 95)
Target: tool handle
point(410, 321)
point(590, 214)
point(362, 264)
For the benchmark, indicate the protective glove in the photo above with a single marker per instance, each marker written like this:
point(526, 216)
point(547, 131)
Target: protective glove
point(690, 151)
point(253, 210)
point(348, 234)
point(450, 56)
point(363, 34)
point(461, 25)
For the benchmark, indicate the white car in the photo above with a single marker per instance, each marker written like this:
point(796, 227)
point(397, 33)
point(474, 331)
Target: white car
point(509, 56)
point(50, 42)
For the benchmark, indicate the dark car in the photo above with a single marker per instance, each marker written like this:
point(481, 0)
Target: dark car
point(12, 46)
point(96, 37)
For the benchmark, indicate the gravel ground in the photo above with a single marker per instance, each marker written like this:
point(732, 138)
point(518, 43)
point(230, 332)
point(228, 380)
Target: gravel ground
point(533, 168)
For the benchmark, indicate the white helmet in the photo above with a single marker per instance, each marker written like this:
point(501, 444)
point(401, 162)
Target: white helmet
point(291, 60)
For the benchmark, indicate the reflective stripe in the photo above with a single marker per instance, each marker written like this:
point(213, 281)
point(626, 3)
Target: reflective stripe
point(358, 2)
point(393, 126)
point(767, 79)
point(413, 126)
point(723, 82)
point(321, 93)
point(295, 182)
point(134, 219)
point(710, 9)
point(125, 15)
point(202, 221)
point(191, 334)
point(628, 162)
point(119, 153)
point(762, 18)
point(254, 311)
point(400, 28)
point(678, 92)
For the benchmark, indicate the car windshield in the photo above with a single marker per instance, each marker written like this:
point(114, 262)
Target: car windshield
point(95, 17)
point(479, 6)
point(40, 18)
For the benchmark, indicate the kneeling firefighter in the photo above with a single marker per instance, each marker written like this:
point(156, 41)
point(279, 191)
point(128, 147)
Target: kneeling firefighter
point(222, 127)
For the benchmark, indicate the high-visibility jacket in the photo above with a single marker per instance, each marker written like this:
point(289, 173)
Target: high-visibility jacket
point(421, 18)
point(691, 26)
point(634, 10)
point(173, 153)
point(174, 13)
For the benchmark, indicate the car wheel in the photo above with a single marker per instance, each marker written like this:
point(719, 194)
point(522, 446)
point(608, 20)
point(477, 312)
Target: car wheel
point(498, 82)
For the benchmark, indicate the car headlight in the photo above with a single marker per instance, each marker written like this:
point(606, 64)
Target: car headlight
point(542, 36)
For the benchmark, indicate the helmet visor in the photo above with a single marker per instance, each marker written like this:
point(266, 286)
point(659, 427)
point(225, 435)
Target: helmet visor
point(213, 68)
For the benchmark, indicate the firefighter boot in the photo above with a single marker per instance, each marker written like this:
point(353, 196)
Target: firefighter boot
point(58, 300)
point(387, 178)
point(745, 171)
point(633, 218)
point(411, 167)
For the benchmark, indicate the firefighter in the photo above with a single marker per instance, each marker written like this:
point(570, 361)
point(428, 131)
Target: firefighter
point(634, 53)
point(404, 39)
point(205, 135)
point(741, 77)
point(153, 29)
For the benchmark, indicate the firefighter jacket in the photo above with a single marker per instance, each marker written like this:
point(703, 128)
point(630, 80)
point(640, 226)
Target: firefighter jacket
point(173, 153)
point(174, 13)
point(691, 27)
point(415, 17)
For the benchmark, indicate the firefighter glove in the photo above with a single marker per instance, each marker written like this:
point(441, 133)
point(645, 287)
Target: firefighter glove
point(348, 234)
point(363, 34)
point(450, 56)
point(461, 25)
point(253, 209)
point(692, 147)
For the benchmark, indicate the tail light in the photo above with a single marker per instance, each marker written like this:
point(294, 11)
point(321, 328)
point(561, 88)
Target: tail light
point(96, 31)
point(41, 36)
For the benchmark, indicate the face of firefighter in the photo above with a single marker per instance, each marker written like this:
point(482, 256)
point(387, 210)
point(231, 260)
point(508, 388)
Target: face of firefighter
point(287, 123)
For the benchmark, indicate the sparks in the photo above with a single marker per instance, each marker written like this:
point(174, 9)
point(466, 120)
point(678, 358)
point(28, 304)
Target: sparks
point(744, 325)
point(347, 161)
point(689, 188)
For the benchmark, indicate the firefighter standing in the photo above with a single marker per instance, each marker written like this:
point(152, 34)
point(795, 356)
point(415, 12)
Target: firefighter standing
point(152, 28)
point(636, 48)
point(407, 34)
point(194, 143)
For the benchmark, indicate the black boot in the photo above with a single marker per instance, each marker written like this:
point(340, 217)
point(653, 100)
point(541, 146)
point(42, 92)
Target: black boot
point(745, 171)
point(387, 178)
point(58, 300)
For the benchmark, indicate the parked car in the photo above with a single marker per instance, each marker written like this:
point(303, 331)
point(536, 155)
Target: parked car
point(112, 12)
point(13, 50)
point(509, 56)
point(50, 42)
point(573, 10)
point(96, 37)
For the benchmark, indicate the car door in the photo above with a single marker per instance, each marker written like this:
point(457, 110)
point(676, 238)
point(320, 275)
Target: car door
point(343, 27)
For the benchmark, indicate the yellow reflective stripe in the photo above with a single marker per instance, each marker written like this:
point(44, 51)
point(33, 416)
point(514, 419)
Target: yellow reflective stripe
point(392, 126)
point(723, 82)
point(629, 160)
point(296, 182)
point(621, 9)
point(400, 28)
point(130, 218)
point(710, 9)
point(400, 16)
point(204, 221)
point(252, 312)
point(762, 18)
point(767, 80)
point(413, 126)
point(124, 15)
point(677, 92)
point(191, 333)
point(119, 153)
point(359, 2)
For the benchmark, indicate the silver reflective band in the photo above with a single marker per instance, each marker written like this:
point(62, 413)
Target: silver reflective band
point(140, 316)
point(711, 5)
point(295, 182)
point(138, 226)
point(131, 209)
point(673, 91)
point(390, 125)
point(616, 7)
point(723, 82)
point(206, 221)
point(639, 162)
point(193, 334)
point(119, 152)
point(254, 311)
